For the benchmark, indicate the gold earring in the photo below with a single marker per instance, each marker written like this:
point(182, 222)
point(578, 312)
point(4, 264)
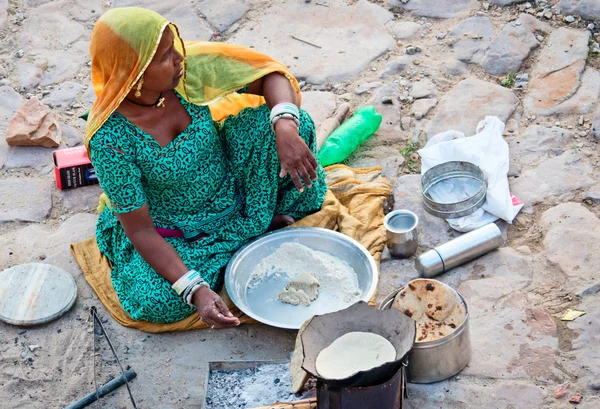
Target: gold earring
point(138, 91)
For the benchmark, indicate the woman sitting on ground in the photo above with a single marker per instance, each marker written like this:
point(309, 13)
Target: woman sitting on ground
point(184, 190)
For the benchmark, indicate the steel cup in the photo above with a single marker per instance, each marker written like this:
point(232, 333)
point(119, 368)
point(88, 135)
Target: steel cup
point(402, 233)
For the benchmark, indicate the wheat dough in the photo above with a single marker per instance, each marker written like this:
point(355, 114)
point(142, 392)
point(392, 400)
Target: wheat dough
point(436, 307)
point(302, 290)
point(352, 353)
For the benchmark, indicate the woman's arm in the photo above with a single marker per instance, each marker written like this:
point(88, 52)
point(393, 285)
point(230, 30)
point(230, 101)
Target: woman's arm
point(295, 157)
point(163, 258)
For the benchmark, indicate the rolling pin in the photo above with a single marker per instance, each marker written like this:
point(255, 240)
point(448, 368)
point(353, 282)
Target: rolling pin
point(330, 124)
point(301, 404)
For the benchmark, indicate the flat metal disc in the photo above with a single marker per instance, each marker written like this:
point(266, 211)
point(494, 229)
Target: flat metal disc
point(33, 294)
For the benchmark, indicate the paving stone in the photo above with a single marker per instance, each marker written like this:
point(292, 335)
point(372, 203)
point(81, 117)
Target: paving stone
point(397, 67)
point(465, 394)
point(570, 228)
point(388, 157)
point(593, 194)
point(437, 8)
point(468, 103)
point(24, 199)
point(181, 13)
point(366, 87)
point(513, 45)
point(472, 36)
point(88, 97)
point(33, 157)
point(63, 65)
point(320, 105)
point(394, 274)
point(389, 130)
point(30, 75)
point(3, 13)
point(10, 101)
point(555, 179)
point(538, 143)
point(48, 28)
point(64, 95)
point(421, 107)
point(222, 14)
point(51, 243)
point(455, 67)
point(583, 100)
point(81, 199)
point(403, 29)
point(349, 42)
point(71, 136)
point(34, 3)
point(86, 10)
point(432, 230)
point(558, 72)
point(423, 89)
point(586, 334)
point(596, 124)
point(586, 9)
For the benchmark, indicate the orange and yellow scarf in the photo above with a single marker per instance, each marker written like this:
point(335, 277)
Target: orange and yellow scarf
point(124, 42)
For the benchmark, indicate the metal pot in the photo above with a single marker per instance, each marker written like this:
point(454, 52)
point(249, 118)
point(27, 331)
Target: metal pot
point(434, 361)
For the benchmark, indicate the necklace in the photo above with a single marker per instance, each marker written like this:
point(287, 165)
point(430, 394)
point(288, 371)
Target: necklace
point(160, 102)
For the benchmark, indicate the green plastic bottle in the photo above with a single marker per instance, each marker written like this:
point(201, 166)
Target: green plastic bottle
point(350, 135)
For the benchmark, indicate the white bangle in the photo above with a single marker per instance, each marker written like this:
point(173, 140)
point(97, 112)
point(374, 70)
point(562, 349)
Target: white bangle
point(190, 294)
point(284, 110)
point(185, 281)
point(284, 116)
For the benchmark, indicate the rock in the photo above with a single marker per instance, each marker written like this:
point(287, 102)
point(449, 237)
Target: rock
point(24, 200)
point(80, 199)
point(433, 230)
point(513, 45)
point(438, 8)
point(555, 179)
point(539, 143)
point(71, 136)
point(389, 131)
point(30, 75)
point(505, 2)
point(456, 67)
point(3, 13)
point(423, 89)
point(469, 102)
point(64, 95)
point(570, 19)
point(586, 332)
point(583, 100)
point(347, 46)
point(9, 105)
point(421, 107)
point(33, 125)
point(396, 67)
point(86, 10)
point(320, 105)
point(559, 70)
point(33, 157)
point(405, 122)
point(586, 9)
point(20, 53)
point(388, 157)
point(596, 124)
point(49, 28)
point(366, 87)
point(394, 274)
point(62, 65)
point(471, 37)
point(593, 194)
point(570, 230)
point(412, 50)
point(222, 14)
point(181, 13)
point(403, 29)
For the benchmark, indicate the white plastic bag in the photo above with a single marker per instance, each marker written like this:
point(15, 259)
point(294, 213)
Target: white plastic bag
point(488, 150)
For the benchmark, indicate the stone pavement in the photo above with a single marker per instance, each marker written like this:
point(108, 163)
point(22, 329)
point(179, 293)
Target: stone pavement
point(428, 66)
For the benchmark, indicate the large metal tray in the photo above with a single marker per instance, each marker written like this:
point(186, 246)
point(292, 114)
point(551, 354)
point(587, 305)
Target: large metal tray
point(279, 314)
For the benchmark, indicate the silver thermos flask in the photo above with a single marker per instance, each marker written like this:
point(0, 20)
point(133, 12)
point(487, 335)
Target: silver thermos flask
point(459, 251)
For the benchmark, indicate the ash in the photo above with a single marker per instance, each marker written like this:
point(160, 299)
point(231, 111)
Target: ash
point(249, 388)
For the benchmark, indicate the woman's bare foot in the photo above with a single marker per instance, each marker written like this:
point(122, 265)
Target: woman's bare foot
point(280, 221)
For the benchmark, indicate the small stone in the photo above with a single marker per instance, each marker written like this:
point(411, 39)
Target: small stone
point(441, 35)
point(522, 77)
point(418, 115)
point(32, 348)
point(575, 399)
point(540, 38)
point(34, 124)
point(366, 87)
point(591, 26)
point(4, 81)
point(20, 53)
point(411, 50)
point(548, 14)
point(387, 100)
point(581, 120)
point(486, 6)
point(570, 19)
point(23, 355)
point(405, 122)
point(557, 124)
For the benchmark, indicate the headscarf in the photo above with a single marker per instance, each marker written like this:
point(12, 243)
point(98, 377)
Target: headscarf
point(124, 42)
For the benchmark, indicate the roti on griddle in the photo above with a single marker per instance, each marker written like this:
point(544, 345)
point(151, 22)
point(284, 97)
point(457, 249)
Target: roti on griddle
point(436, 307)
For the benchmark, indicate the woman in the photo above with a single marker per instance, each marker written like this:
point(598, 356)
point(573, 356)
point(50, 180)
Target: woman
point(185, 191)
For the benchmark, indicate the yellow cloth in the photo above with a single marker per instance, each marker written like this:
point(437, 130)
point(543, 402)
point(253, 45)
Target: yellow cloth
point(353, 206)
point(124, 42)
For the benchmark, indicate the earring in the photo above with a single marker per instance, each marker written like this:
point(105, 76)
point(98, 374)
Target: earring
point(138, 91)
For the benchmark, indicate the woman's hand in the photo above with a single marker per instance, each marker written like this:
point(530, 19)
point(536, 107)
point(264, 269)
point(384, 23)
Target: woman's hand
point(295, 157)
point(212, 310)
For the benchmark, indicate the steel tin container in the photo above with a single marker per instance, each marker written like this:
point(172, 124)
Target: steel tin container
point(459, 250)
point(402, 233)
point(434, 361)
point(459, 171)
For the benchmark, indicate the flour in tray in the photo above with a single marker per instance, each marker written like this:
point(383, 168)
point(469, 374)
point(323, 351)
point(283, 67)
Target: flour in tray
point(337, 279)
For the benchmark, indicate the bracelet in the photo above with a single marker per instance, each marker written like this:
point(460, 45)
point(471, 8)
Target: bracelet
point(185, 292)
point(192, 291)
point(185, 281)
point(284, 116)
